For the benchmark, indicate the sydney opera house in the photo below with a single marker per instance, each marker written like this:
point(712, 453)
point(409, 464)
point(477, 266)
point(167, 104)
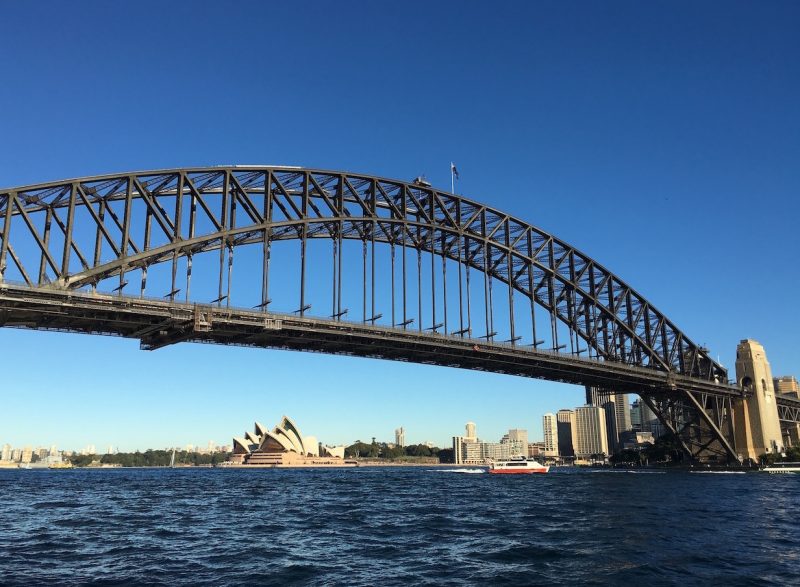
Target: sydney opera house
point(285, 446)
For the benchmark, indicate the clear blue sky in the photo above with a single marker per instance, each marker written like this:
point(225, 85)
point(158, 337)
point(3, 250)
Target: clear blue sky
point(662, 138)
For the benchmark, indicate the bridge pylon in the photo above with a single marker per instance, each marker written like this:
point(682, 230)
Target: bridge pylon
point(758, 428)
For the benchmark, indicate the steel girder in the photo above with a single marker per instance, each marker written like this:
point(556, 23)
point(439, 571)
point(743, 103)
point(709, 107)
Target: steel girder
point(788, 408)
point(702, 423)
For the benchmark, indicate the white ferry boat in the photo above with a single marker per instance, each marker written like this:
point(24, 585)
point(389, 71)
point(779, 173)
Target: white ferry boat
point(519, 465)
point(783, 468)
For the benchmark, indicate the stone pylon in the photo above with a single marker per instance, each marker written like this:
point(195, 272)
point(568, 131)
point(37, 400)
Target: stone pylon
point(756, 424)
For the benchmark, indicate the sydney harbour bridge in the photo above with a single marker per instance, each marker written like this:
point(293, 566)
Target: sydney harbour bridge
point(344, 263)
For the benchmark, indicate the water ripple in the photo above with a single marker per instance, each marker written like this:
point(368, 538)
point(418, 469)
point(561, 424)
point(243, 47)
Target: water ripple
point(396, 526)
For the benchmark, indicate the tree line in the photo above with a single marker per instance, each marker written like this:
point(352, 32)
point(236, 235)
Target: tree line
point(150, 458)
point(382, 450)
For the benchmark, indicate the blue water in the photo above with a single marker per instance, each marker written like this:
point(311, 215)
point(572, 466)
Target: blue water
point(397, 526)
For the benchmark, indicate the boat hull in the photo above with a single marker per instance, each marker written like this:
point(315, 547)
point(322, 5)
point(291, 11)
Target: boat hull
point(783, 467)
point(518, 471)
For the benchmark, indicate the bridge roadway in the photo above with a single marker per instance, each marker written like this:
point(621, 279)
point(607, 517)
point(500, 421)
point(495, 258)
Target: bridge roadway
point(158, 323)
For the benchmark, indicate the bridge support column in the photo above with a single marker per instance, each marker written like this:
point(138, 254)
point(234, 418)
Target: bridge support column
point(791, 435)
point(700, 422)
point(756, 422)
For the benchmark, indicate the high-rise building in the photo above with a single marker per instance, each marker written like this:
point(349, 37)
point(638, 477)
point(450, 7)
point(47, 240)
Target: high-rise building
point(467, 451)
point(623, 413)
point(514, 443)
point(787, 384)
point(618, 417)
point(595, 396)
point(644, 420)
point(27, 455)
point(501, 450)
point(471, 430)
point(400, 436)
point(550, 428)
point(6, 454)
point(458, 449)
point(53, 450)
point(641, 416)
point(636, 415)
point(520, 436)
point(566, 426)
point(758, 429)
point(535, 450)
point(590, 437)
point(16, 454)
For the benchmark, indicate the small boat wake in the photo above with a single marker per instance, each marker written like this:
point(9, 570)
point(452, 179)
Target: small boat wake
point(473, 471)
point(721, 472)
point(626, 472)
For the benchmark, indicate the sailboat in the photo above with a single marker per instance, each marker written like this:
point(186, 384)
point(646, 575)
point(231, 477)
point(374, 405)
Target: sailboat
point(172, 460)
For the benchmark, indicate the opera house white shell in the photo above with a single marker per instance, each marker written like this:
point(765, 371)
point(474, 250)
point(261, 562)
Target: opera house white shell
point(283, 447)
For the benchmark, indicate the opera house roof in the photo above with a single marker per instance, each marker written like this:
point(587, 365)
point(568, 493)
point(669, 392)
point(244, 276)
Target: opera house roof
point(285, 437)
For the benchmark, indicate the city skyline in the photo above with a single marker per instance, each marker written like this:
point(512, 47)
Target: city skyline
point(629, 150)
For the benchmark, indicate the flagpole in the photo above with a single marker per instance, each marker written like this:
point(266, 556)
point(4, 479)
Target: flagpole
point(452, 180)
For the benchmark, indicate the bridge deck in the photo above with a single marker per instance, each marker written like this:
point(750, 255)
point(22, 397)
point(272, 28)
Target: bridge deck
point(157, 323)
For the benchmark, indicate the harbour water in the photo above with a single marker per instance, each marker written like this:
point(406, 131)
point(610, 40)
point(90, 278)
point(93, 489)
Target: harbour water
point(397, 526)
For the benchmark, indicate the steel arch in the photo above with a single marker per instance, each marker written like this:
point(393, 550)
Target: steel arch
point(277, 203)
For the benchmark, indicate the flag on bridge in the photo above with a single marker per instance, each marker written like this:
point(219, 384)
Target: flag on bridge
point(453, 170)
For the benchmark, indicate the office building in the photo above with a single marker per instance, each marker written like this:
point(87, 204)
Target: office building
point(644, 420)
point(590, 436)
point(623, 413)
point(6, 454)
point(787, 385)
point(469, 452)
point(535, 450)
point(566, 426)
point(518, 435)
point(637, 416)
point(631, 440)
point(617, 413)
point(642, 416)
point(603, 398)
point(465, 448)
point(471, 431)
point(458, 450)
point(400, 437)
point(550, 428)
point(27, 455)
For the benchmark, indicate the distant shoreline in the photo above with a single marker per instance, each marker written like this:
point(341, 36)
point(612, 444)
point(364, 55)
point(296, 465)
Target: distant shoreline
point(359, 465)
